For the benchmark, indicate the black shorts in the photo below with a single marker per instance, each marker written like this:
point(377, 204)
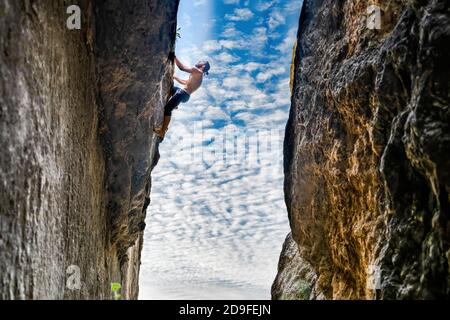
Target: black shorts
point(179, 96)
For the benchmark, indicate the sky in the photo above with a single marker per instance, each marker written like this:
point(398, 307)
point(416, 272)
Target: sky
point(217, 218)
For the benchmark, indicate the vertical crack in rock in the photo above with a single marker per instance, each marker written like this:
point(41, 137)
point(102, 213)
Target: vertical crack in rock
point(77, 109)
point(367, 154)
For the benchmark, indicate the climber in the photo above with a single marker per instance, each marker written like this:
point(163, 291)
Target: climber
point(182, 95)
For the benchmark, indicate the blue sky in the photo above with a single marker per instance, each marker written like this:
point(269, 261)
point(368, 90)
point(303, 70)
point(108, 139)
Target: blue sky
point(217, 220)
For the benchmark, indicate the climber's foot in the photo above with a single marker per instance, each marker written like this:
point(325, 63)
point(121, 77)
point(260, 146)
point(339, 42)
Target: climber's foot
point(160, 133)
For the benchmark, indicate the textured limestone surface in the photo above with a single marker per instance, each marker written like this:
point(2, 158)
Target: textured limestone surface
point(367, 153)
point(298, 282)
point(76, 111)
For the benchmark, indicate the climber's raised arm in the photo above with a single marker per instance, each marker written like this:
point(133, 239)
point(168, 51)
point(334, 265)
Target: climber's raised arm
point(183, 82)
point(182, 66)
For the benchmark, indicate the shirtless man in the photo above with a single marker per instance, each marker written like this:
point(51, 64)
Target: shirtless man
point(182, 95)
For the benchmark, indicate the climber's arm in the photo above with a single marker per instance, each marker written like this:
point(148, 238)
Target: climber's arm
point(183, 82)
point(182, 66)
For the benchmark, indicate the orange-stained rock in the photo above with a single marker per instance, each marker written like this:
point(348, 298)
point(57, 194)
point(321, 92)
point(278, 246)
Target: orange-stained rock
point(367, 151)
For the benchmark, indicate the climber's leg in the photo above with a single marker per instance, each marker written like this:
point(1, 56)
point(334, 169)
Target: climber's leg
point(162, 132)
point(178, 97)
point(173, 102)
point(165, 126)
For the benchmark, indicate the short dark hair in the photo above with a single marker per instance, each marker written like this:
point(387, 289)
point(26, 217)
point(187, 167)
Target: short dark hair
point(206, 65)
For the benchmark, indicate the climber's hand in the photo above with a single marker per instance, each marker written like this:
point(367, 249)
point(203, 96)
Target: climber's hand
point(171, 57)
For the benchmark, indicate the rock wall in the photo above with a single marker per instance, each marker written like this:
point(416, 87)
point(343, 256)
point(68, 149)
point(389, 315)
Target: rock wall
point(77, 109)
point(367, 154)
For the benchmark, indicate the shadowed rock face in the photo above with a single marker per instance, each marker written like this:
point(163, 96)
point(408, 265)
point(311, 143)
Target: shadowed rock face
point(367, 153)
point(133, 41)
point(76, 111)
point(295, 275)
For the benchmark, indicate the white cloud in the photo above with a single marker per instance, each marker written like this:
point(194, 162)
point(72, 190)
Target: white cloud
point(211, 45)
point(240, 14)
point(231, 82)
point(281, 95)
point(199, 2)
point(231, 1)
point(215, 113)
point(288, 43)
point(270, 73)
point(276, 19)
point(249, 67)
point(259, 37)
point(230, 31)
point(236, 39)
point(226, 57)
point(215, 45)
point(293, 6)
point(230, 44)
point(264, 5)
